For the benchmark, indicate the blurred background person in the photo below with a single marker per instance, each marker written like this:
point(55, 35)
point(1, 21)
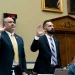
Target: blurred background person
point(71, 67)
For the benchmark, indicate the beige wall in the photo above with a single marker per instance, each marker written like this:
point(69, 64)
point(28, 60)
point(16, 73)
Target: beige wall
point(30, 16)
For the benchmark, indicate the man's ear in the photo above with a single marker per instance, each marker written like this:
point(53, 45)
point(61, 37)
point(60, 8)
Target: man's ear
point(44, 27)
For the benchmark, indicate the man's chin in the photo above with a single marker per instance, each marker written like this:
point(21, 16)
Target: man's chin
point(12, 29)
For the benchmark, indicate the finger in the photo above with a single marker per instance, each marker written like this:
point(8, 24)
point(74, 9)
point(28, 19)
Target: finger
point(4, 28)
point(39, 26)
point(1, 24)
point(44, 30)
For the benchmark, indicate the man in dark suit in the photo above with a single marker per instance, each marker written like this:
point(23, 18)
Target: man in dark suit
point(11, 61)
point(46, 61)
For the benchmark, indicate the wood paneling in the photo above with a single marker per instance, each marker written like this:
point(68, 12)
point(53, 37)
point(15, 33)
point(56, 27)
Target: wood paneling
point(67, 47)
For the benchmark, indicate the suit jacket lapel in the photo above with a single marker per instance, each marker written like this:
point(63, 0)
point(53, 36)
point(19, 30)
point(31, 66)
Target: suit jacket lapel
point(48, 43)
point(55, 43)
point(7, 37)
point(45, 38)
point(17, 39)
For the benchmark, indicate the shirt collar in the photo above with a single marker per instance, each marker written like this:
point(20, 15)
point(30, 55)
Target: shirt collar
point(9, 33)
point(48, 36)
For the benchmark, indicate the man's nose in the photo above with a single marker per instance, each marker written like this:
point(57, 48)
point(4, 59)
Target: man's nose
point(13, 24)
point(52, 27)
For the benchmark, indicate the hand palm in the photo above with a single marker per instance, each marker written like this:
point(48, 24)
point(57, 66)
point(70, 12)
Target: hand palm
point(1, 27)
point(40, 30)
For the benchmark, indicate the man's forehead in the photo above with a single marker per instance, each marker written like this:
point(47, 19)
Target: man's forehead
point(49, 23)
point(8, 19)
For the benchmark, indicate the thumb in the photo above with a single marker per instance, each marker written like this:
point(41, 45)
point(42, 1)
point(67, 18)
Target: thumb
point(4, 28)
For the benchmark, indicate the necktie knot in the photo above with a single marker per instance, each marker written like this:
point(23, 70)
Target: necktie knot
point(12, 34)
point(51, 38)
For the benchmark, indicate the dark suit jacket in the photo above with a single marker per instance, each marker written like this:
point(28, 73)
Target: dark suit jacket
point(42, 65)
point(7, 54)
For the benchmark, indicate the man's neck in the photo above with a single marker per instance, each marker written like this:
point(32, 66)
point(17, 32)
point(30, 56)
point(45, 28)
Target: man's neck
point(9, 31)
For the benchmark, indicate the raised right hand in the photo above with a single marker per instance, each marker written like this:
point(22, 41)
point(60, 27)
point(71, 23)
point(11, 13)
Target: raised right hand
point(1, 27)
point(40, 30)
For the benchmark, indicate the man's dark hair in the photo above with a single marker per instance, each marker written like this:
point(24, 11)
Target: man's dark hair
point(73, 57)
point(46, 22)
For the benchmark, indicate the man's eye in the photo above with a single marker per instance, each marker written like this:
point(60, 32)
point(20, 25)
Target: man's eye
point(49, 26)
point(10, 22)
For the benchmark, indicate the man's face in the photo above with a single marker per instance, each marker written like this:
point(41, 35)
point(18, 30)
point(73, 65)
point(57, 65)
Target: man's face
point(49, 28)
point(9, 24)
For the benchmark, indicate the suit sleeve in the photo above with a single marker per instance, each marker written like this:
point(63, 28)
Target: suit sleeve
point(70, 72)
point(35, 45)
point(0, 35)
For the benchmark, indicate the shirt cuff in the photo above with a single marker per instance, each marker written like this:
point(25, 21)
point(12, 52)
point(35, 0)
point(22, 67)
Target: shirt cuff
point(0, 34)
point(36, 38)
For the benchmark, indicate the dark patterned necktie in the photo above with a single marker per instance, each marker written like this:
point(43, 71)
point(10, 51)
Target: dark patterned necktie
point(54, 60)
